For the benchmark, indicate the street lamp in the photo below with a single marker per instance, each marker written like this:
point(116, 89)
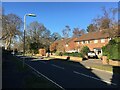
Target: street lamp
point(31, 15)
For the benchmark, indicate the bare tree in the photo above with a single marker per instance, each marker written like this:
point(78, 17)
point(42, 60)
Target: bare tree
point(78, 32)
point(55, 36)
point(39, 35)
point(107, 20)
point(92, 28)
point(66, 31)
point(11, 28)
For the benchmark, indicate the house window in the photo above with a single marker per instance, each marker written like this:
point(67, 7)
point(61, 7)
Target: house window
point(102, 40)
point(83, 42)
point(95, 41)
point(88, 41)
point(91, 41)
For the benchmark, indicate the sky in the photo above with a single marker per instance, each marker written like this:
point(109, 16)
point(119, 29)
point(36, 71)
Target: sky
point(56, 15)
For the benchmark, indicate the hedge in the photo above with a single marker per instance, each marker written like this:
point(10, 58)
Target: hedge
point(112, 49)
point(73, 54)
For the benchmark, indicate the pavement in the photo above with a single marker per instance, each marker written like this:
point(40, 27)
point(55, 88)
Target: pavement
point(94, 63)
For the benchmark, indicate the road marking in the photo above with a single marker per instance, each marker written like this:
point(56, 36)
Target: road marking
point(36, 74)
point(57, 66)
point(46, 77)
point(94, 78)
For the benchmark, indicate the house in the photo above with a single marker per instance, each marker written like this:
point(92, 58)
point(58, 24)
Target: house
point(94, 40)
point(70, 45)
point(64, 45)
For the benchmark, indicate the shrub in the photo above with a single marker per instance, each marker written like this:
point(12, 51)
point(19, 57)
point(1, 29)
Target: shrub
point(112, 49)
point(105, 50)
point(34, 47)
point(74, 54)
point(58, 53)
point(85, 50)
point(112, 42)
point(114, 52)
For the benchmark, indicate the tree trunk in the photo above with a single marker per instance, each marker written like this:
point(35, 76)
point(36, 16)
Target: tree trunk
point(7, 43)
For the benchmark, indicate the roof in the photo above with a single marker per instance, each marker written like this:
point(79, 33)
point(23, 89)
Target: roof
point(64, 40)
point(93, 36)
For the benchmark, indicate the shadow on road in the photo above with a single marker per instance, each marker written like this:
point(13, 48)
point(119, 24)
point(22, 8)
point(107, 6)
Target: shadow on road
point(86, 72)
point(81, 78)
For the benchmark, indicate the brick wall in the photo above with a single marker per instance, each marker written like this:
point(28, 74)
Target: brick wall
point(91, 44)
point(71, 45)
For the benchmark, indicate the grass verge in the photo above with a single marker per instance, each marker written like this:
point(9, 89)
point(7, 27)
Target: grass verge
point(106, 68)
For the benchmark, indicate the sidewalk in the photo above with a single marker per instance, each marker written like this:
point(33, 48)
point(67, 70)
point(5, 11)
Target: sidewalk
point(96, 64)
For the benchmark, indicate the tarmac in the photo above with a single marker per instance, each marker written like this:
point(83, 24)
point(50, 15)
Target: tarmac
point(91, 63)
point(11, 71)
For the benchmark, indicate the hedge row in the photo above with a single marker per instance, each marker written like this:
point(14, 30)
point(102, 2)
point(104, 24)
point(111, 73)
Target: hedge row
point(112, 49)
point(73, 54)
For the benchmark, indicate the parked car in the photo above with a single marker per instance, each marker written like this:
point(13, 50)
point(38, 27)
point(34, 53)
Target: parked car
point(91, 54)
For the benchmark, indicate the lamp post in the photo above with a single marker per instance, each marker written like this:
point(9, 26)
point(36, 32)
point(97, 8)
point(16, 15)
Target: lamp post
point(31, 15)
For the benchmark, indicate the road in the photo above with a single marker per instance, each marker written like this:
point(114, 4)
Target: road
point(67, 74)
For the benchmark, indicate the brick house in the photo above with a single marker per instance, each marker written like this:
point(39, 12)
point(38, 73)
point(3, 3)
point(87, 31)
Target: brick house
point(94, 40)
point(64, 45)
point(70, 45)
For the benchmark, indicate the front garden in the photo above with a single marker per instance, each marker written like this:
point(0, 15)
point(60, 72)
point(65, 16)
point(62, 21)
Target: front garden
point(75, 56)
point(111, 52)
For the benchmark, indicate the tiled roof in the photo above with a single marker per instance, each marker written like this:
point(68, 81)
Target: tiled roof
point(93, 36)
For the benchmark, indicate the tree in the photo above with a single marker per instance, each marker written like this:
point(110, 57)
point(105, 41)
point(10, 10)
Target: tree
point(34, 47)
point(107, 22)
point(11, 28)
point(53, 47)
point(38, 34)
point(91, 28)
point(78, 32)
point(55, 36)
point(66, 31)
point(102, 22)
point(85, 50)
point(35, 31)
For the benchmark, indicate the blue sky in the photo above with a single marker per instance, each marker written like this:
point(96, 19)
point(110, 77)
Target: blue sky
point(55, 16)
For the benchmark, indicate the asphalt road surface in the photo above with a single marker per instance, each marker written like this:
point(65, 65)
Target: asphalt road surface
point(67, 74)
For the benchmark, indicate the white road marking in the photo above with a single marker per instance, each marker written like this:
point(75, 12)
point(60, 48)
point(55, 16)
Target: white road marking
point(45, 77)
point(36, 74)
point(93, 77)
point(57, 66)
